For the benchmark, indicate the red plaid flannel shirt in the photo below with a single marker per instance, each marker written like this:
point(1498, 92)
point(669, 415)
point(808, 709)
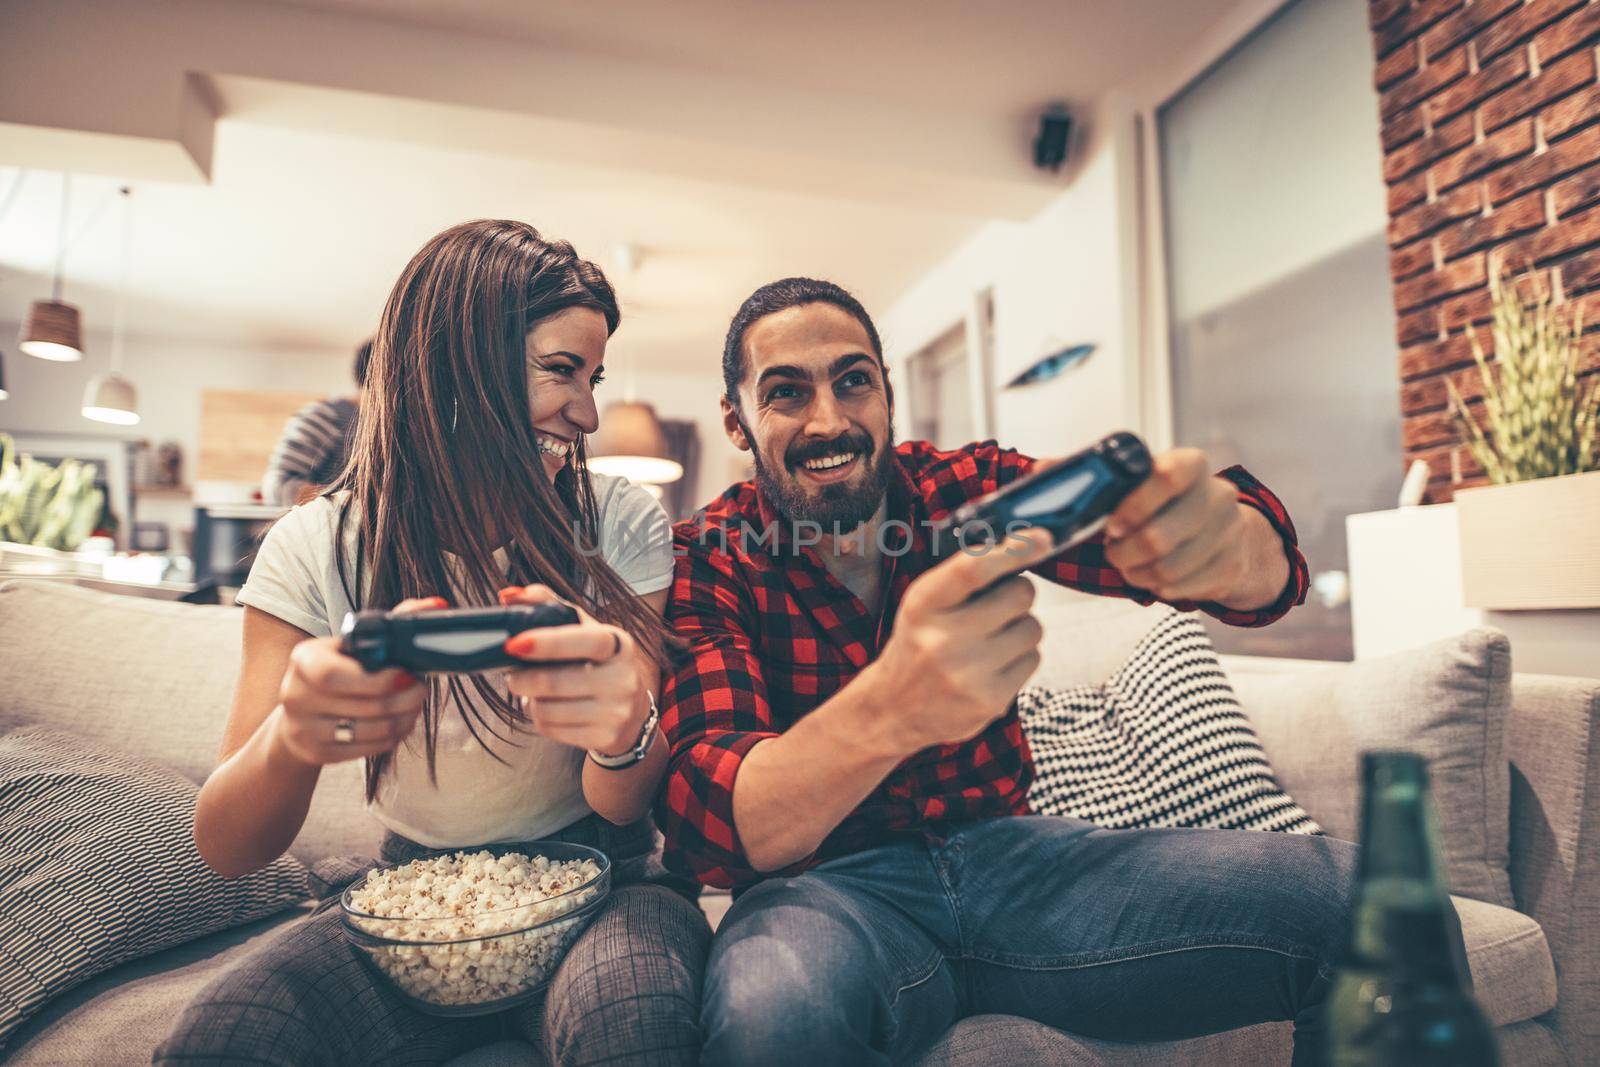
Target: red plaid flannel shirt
point(772, 635)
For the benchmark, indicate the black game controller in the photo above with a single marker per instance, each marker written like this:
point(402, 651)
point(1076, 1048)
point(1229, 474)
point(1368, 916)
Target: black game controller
point(1072, 499)
point(451, 641)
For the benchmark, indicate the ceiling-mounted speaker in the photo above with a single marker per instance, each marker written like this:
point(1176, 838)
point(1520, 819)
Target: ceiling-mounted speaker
point(1054, 141)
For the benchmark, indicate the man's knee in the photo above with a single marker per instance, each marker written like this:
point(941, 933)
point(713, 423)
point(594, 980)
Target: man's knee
point(1331, 888)
point(791, 979)
point(1306, 899)
point(775, 1006)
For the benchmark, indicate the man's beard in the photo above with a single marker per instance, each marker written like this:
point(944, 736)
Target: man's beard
point(843, 506)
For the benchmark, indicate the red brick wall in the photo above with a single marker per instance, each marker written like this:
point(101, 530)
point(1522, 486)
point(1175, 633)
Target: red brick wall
point(1490, 112)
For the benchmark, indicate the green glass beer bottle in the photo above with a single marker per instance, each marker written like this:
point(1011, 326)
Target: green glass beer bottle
point(1402, 994)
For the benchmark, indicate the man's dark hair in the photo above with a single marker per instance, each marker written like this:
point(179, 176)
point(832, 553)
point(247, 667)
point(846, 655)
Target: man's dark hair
point(363, 360)
point(780, 296)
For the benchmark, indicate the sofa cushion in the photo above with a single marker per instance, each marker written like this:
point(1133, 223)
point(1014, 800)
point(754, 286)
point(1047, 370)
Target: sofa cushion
point(1513, 975)
point(116, 1019)
point(1162, 742)
point(986, 1041)
point(1448, 701)
point(150, 678)
point(98, 866)
point(993, 1040)
point(153, 679)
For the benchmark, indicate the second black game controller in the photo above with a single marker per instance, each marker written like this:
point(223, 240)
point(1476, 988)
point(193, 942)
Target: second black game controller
point(1072, 499)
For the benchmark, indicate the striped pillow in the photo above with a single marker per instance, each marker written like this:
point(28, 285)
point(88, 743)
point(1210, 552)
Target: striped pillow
point(1162, 743)
point(98, 866)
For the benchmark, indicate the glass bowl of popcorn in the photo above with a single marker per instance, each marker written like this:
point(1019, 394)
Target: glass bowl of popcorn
point(479, 930)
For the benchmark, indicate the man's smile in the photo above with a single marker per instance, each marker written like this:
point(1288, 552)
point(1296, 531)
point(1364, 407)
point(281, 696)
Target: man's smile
point(825, 470)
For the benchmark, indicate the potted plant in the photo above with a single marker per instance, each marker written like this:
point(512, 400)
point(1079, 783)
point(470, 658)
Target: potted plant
point(46, 506)
point(1532, 538)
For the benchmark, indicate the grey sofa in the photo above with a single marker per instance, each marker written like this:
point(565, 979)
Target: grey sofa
point(155, 679)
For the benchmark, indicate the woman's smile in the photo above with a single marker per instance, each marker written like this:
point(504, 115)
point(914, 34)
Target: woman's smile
point(555, 451)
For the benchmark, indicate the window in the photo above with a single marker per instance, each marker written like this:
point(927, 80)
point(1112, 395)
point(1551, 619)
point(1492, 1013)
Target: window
point(1280, 313)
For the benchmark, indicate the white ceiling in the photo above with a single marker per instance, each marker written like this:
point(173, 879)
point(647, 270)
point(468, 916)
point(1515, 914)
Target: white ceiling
point(1002, 57)
point(301, 231)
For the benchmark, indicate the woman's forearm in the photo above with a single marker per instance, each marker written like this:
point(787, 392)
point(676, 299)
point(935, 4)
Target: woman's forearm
point(624, 796)
point(254, 804)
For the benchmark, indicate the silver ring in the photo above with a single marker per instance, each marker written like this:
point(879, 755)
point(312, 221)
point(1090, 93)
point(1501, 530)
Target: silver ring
point(344, 731)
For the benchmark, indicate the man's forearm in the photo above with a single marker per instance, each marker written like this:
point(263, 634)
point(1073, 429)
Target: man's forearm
point(1267, 572)
point(793, 790)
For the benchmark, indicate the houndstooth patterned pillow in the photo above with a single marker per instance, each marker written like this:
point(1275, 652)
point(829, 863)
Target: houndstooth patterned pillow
point(98, 866)
point(1162, 743)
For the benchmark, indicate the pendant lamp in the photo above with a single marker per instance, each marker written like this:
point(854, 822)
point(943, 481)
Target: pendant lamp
point(632, 444)
point(110, 397)
point(53, 330)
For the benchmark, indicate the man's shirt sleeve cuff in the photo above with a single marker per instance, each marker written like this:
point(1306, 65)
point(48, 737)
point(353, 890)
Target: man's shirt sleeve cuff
point(697, 808)
point(1255, 495)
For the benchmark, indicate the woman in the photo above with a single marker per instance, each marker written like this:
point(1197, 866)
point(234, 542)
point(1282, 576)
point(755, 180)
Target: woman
point(466, 484)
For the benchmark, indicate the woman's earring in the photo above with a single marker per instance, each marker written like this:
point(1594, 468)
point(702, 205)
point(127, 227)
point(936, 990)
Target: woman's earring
point(455, 413)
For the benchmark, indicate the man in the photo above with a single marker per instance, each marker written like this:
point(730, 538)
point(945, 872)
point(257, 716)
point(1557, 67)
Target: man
point(845, 756)
point(315, 443)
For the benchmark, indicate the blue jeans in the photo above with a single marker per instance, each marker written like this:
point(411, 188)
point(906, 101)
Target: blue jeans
point(1125, 935)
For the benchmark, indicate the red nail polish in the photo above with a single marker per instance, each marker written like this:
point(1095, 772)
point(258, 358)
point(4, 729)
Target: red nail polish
point(404, 680)
point(520, 645)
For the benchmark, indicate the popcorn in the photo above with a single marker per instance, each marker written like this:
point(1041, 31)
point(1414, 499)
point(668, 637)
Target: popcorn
point(472, 928)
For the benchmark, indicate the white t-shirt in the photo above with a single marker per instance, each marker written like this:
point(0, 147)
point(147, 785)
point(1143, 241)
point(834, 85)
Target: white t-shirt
point(478, 800)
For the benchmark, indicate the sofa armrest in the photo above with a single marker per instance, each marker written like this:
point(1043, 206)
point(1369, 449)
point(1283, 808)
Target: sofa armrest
point(1553, 745)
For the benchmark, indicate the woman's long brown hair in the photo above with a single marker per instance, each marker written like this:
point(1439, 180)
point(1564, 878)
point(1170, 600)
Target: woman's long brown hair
point(445, 460)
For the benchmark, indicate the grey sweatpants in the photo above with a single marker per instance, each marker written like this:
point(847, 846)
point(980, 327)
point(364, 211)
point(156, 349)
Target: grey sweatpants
point(627, 992)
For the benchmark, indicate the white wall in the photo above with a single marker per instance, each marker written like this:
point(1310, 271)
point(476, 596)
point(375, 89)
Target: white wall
point(1060, 278)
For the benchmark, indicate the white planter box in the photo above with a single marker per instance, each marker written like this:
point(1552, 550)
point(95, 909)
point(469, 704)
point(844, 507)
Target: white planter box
point(1531, 545)
point(1405, 579)
point(1405, 591)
